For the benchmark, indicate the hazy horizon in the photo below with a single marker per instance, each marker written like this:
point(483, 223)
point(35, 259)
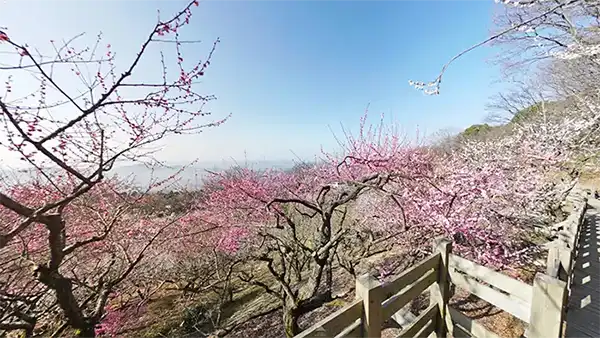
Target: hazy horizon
point(141, 175)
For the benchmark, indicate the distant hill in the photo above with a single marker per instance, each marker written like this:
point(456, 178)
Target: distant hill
point(532, 113)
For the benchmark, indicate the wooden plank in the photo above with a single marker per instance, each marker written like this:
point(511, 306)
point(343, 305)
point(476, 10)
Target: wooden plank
point(368, 288)
point(410, 276)
point(439, 293)
point(420, 321)
point(553, 262)
point(514, 306)
point(472, 328)
point(427, 330)
point(404, 317)
point(335, 322)
point(511, 286)
point(460, 332)
point(352, 331)
point(580, 332)
point(549, 295)
point(566, 258)
point(395, 303)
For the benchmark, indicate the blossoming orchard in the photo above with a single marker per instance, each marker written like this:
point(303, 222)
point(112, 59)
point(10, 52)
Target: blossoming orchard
point(85, 253)
point(71, 226)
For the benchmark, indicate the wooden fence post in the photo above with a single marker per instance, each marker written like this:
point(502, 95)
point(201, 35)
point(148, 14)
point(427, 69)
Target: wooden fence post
point(440, 291)
point(367, 288)
point(558, 262)
point(547, 306)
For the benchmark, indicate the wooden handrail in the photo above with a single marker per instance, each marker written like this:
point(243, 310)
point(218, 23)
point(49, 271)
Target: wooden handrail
point(411, 275)
point(512, 305)
point(398, 301)
point(563, 251)
point(336, 322)
point(511, 286)
point(541, 305)
point(420, 323)
point(376, 302)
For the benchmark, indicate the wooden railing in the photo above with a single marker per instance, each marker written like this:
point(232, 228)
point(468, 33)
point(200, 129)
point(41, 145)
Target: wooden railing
point(563, 251)
point(539, 305)
point(376, 302)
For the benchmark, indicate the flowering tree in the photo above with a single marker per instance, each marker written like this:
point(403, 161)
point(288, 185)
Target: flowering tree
point(291, 223)
point(534, 30)
point(284, 229)
point(543, 30)
point(103, 243)
point(380, 189)
point(67, 225)
point(530, 152)
point(538, 140)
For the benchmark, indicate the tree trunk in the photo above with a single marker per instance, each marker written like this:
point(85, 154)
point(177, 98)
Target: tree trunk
point(28, 332)
point(329, 279)
point(49, 275)
point(86, 331)
point(290, 322)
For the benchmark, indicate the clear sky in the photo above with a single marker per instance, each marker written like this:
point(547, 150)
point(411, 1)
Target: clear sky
point(287, 71)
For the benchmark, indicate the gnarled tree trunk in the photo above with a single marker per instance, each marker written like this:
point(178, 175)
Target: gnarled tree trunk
point(290, 320)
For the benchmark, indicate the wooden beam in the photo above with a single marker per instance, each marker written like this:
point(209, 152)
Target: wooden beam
point(460, 332)
point(409, 276)
point(335, 322)
point(368, 289)
point(511, 286)
point(514, 306)
point(352, 331)
point(553, 262)
point(440, 291)
point(469, 327)
point(393, 304)
point(549, 297)
point(420, 322)
point(428, 330)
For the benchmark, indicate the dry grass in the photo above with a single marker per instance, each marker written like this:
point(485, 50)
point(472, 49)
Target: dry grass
point(166, 310)
point(171, 314)
point(165, 313)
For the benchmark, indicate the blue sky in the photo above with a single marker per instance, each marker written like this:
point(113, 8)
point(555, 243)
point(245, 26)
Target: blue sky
point(288, 71)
